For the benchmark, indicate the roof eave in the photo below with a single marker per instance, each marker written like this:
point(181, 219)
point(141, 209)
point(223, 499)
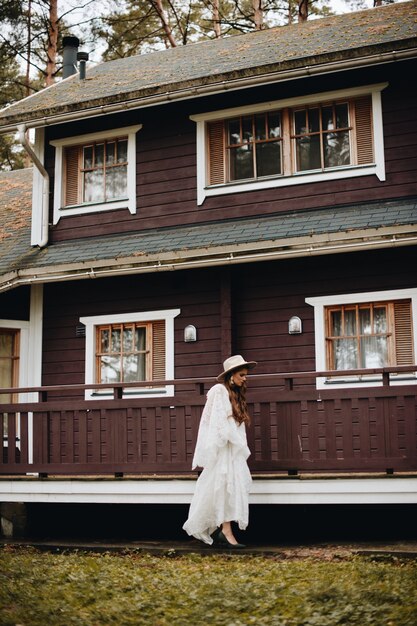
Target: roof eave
point(255, 76)
point(295, 247)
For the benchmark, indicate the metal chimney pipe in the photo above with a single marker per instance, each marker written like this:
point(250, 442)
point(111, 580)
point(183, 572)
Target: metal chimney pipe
point(69, 56)
point(82, 57)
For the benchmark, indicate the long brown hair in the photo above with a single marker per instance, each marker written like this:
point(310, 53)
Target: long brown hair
point(237, 397)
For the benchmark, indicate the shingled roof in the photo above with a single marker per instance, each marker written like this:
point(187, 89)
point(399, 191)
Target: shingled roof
point(15, 214)
point(274, 54)
point(301, 233)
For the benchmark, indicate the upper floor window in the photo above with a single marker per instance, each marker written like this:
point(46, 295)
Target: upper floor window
point(321, 135)
point(330, 135)
point(365, 331)
point(130, 347)
point(95, 172)
point(253, 146)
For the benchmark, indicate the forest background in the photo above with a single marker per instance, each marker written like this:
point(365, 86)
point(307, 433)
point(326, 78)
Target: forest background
point(31, 34)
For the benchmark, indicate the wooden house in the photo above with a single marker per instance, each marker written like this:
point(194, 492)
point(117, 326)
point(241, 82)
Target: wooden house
point(253, 195)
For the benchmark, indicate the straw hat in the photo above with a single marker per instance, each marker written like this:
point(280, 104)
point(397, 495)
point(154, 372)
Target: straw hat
point(233, 363)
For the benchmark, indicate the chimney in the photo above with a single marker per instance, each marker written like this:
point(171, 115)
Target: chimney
point(82, 57)
point(69, 56)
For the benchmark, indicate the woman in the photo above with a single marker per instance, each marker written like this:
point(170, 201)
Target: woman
point(222, 489)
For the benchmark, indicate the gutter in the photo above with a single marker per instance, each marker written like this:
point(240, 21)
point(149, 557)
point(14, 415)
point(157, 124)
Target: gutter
point(224, 85)
point(45, 184)
point(228, 257)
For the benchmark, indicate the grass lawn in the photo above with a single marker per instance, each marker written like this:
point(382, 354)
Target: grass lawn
point(50, 589)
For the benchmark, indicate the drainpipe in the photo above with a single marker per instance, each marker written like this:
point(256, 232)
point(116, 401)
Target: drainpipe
point(45, 185)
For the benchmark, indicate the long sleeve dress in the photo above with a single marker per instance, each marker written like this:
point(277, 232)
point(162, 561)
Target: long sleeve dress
point(222, 489)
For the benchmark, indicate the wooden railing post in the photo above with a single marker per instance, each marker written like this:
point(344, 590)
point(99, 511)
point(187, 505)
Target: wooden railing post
point(117, 393)
point(288, 384)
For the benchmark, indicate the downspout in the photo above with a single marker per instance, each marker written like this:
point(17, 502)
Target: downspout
point(45, 185)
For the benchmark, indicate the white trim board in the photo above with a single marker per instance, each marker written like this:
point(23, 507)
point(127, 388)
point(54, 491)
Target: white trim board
point(90, 322)
point(377, 168)
point(384, 490)
point(129, 202)
point(320, 302)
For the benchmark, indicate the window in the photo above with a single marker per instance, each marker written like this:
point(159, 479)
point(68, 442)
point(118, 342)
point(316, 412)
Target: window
point(130, 352)
point(95, 172)
point(14, 356)
point(369, 335)
point(365, 331)
point(333, 135)
point(134, 347)
point(253, 145)
point(321, 136)
point(9, 361)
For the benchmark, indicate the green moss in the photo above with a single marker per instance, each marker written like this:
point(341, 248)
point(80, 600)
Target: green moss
point(38, 589)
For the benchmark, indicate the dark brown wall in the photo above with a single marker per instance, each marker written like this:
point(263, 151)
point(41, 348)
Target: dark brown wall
point(264, 297)
point(197, 298)
point(166, 160)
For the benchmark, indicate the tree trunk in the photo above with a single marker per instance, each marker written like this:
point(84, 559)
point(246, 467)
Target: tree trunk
point(28, 50)
point(258, 14)
point(52, 43)
point(216, 19)
point(303, 11)
point(164, 21)
point(290, 5)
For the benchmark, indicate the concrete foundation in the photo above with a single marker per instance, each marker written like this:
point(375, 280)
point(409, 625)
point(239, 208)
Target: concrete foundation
point(13, 519)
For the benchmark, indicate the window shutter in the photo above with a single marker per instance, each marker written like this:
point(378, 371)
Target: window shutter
point(158, 350)
point(72, 157)
point(403, 333)
point(216, 170)
point(364, 134)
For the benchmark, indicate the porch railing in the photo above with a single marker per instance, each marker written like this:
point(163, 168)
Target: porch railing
point(295, 427)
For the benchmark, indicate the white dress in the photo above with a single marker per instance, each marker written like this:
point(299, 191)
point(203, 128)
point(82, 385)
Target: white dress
point(222, 489)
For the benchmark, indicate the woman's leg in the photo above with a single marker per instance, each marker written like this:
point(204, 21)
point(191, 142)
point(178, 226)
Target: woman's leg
point(228, 532)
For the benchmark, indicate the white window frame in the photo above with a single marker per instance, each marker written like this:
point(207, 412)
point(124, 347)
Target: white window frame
point(377, 168)
point(321, 302)
point(144, 316)
point(59, 189)
point(23, 328)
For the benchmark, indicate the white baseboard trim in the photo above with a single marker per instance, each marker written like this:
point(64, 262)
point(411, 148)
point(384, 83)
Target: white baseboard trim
point(385, 490)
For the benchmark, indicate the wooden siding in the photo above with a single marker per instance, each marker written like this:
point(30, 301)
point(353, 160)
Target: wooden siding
point(251, 318)
point(195, 293)
point(166, 164)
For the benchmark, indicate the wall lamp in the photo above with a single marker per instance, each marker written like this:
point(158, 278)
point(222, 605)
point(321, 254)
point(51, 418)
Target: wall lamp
point(190, 333)
point(295, 325)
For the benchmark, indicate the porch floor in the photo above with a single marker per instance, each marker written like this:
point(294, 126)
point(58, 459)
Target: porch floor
point(267, 489)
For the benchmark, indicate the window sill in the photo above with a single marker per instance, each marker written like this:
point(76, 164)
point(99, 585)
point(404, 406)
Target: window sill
point(132, 393)
point(95, 207)
point(365, 381)
point(300, 178)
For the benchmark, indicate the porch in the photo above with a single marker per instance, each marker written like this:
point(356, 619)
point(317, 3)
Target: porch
point(296, 429)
